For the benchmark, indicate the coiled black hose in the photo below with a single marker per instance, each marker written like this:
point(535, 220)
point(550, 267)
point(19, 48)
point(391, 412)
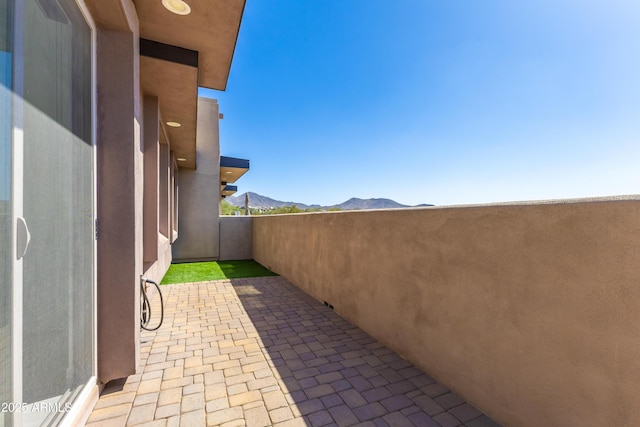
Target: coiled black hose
point(145, 309)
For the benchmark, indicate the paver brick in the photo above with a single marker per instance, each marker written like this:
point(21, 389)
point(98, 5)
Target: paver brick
point(343, 416)
point(173, 373)
point(396, 403)
point(237, 389)
point(435, 390)
point(331, 400)
point(376, 394)
point(192, 402)
point(257, 417)
point(197, 370)
point(307, 407)
point(246, 397)
point(423, 420)
point(149, 386)
point(465, 412)
point(215, 391)
point(178, 382)
point(308, 382)
point(141, 414)
point(445, 419)
point(280, 414)
point(320, 418)
point(237, 379)
point(110, 412)
point(143, 399)
point(173, 395)
point(397, 419)
point(217, 404)
point(167, 411)
point(428, 405)
point(318, 391)
point(261, 383)
point(193, 388)
point(274, 400)
point(369, 411)
point(116, 399)
point(449, 400)
point(194, 418)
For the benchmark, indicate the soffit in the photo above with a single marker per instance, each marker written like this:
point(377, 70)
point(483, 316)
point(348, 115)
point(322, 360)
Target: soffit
point(231, 169)
point(176, 87)
point(228, 190)
point(211, 29)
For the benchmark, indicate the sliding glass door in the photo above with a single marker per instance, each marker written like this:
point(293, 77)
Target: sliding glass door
point(6, 206)
point(49, 207)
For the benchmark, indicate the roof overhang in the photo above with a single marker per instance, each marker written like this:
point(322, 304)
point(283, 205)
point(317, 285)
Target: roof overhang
point(171, 74)
point(178, 55)
point(228, 190)
point(211, 29)
point(231, 169)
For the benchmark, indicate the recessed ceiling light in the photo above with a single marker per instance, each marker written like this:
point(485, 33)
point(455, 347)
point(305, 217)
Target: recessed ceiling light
point(174, 124)
point(228, 172)
point(177, 6)
point(181, 159)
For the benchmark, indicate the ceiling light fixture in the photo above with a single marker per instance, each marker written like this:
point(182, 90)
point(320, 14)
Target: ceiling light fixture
point(181, 159)
point(174, 124)
point(177, 6)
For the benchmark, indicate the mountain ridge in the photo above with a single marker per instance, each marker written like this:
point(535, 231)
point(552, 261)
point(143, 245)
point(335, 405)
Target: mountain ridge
point(259, 201)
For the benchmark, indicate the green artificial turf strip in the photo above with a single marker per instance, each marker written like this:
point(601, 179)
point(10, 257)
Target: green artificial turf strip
point(205, 271)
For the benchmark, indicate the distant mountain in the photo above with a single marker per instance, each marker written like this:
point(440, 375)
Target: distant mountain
point(259, 201)
point(355, 203)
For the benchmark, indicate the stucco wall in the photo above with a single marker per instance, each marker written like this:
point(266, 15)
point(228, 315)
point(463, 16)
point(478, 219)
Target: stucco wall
point(199, 192)
point(236, 237)
point(530, 311)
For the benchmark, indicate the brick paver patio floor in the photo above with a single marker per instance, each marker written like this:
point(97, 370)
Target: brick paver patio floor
point(260, 352)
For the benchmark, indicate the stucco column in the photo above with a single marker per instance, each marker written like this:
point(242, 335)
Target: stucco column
point(119, 199)
point(165, 190)
point(151, 165)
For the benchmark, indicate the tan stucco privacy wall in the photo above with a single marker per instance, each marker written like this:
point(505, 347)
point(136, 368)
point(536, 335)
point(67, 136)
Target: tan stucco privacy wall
point(236, 237)
point(529, 311)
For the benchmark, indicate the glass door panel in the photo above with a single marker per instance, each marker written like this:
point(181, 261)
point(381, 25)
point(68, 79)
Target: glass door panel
point(58, 200)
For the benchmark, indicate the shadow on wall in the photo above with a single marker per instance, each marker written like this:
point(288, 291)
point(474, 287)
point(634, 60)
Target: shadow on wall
point(336, 373)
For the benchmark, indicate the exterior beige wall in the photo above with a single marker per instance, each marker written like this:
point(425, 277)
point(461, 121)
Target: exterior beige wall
point(530, 311)
point(157, 270)
point(236, 237)
point(199, 192)
point(157, 248)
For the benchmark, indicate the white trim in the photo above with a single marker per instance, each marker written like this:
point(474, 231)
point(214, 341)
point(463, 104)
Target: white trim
point(17, 199)
point(82, 406)
point(94, 132)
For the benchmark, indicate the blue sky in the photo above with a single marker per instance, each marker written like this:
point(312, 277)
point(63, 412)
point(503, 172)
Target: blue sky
point(435, 101)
